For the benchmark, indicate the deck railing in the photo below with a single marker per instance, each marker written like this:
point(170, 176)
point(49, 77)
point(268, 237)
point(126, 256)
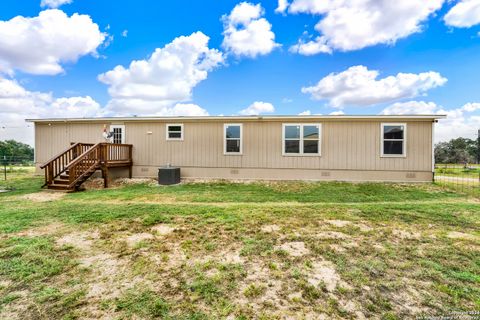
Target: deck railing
point(59, 163)
point(82, 158)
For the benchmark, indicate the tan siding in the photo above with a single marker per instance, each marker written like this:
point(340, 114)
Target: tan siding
point(346, 145)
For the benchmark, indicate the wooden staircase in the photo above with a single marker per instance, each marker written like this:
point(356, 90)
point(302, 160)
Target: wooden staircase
point(69, 169)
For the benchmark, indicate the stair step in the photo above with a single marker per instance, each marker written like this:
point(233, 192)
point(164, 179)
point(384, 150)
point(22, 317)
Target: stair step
point(61, 181)
point(58, 187)
point(64, 176)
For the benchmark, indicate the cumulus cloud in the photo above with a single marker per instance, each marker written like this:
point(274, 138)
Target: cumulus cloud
point(184, 109)
point(359, 86)
point(39, 45)
point(464, 14)
point(305, 113)
point(18, 103)
point(282, 6)
point(258, 107)
point(460, 122)
point(167, 77)
point(347, 25)
point(411, 107)
point(246, 33)
point(54, 3)
point(337, 113)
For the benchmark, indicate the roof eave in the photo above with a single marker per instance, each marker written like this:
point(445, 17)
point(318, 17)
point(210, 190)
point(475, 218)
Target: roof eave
point(229, 118)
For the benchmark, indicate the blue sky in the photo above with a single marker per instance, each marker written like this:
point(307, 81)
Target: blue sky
point(440, 55)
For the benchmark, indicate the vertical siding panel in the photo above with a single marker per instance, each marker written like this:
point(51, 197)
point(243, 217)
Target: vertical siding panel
point(345, 144)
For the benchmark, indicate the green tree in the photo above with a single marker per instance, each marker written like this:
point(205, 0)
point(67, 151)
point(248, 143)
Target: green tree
point(15, 152)
point(459, 150)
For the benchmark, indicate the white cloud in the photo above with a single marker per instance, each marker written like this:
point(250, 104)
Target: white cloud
point(464, 14)
point(17, 104)
point(258, 107)
point(460, 122)
point(312, 47)
point(305, 113)
point(54, 3)
point(185, 109)
point(411, 107)
point(337, 113)
point(41, 44)
point(282, 6)
point(167, 77)
point(347, 25)
point(246, 33)
point(359, 86)
point(125, 33)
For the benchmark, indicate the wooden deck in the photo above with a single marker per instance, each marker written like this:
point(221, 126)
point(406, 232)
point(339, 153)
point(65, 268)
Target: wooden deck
point(69, 169)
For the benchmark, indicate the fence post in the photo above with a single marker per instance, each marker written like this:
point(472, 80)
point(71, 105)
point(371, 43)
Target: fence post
point(5, 167)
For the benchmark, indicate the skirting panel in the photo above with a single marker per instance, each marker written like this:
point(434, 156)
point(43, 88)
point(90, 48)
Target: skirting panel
point(279, 174)
point(290, 174)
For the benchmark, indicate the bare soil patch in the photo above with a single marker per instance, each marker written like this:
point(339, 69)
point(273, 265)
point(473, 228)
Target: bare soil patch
point(97, 183)
point(44, 196)
point(295, 249)
point(323, 271)
point(162, 229)
point(270, 228)
point(461, 235)
point(44, 230)
point(339, 223)
point(80, 240)
point(134, 239)
point(332, 235)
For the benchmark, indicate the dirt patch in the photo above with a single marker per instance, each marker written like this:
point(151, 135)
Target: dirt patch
point(106, 269)
point(43, 196)
point(5, 283)
point(324, 272)
point(272, 292)
point(295, 249)
point(18, 308)
point(270, 228)
point(338, 223)
point(363, 227)
point(97, 183)
point(162, 229)
point(45, 230)
point(231, 257)
point(134, 239)
point(332, 235)
point(406, 235)
point(80, 240)
point(461, 235)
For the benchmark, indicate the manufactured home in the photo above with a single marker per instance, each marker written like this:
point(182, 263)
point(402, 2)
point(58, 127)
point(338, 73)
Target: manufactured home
point(347, 148)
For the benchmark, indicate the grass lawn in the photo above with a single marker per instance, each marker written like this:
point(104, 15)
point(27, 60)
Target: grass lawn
point(237, 251)
point(473, 171)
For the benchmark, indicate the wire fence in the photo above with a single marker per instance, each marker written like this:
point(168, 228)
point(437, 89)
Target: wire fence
point(11, 165)
point(463, 178)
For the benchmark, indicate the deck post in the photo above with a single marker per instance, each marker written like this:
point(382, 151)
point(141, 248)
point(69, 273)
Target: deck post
point(105, 176)
point(130, 153)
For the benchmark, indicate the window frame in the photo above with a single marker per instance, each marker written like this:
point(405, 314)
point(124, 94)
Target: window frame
point(168, 131)
point(225, 126)
point(404, 140)
point(301, 140)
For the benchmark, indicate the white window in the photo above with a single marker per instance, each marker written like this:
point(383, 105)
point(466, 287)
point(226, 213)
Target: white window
point(393, 140)
point(232, 134)
point(302, 139)
point(118, 131)
point(174, 132)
